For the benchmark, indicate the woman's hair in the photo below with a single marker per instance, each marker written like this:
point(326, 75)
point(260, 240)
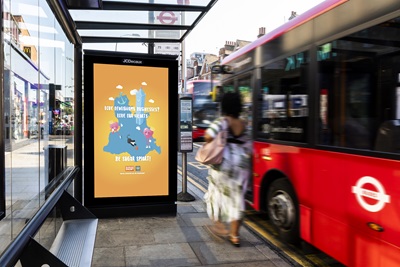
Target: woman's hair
point(231, 104)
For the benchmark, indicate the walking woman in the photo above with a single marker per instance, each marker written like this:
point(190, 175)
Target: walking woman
point(227, 182)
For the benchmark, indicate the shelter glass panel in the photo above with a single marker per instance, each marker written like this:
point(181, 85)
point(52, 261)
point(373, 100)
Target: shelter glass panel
point(38, 110)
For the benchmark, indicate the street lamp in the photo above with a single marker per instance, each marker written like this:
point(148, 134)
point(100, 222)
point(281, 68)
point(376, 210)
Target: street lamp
point(128, 34)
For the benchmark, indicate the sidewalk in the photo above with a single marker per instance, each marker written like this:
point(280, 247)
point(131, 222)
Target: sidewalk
point(176, 241)
point(158, 241)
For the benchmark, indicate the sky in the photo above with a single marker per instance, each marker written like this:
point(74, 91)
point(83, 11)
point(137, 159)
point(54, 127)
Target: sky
point(230, 20)
point(227, 20)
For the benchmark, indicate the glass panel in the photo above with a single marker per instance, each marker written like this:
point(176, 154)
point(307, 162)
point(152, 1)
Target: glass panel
point(142, 17)
point(359, 89)
point(127, 47)
point(283, 99)
point(38, 89)
point(5, 224)
point(169, 2)
point(176, 35)
point(134, 15)
point(21, 107)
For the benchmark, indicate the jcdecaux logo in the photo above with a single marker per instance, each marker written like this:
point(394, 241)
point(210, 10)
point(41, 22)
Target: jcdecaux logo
point(131, 61)
point(378, 196)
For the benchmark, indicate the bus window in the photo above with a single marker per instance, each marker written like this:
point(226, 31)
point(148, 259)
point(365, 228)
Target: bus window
point(228, 87)
point(358, 81)
point(245, 91)
point(283, 99)
point(204, 109)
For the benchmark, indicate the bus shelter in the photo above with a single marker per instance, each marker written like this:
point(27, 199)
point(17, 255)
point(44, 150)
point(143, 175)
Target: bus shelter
point(152, 28)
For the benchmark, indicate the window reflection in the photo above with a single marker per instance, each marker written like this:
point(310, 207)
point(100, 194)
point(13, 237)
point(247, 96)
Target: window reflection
point(284, 100)
point(359, 81)
point(245, 91)
point(38, 79)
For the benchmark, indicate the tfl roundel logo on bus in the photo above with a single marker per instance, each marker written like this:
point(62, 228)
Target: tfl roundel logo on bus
point(370, 194)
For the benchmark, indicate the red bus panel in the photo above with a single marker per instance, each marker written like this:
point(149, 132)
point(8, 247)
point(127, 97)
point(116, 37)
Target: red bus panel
point(349, 198)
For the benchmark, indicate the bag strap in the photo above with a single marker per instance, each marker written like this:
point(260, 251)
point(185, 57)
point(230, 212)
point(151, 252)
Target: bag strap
point(224, 130)
point(235, 139)
point(224, 120)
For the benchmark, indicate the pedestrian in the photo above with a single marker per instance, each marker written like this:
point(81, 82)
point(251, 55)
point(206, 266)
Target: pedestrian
point(227, 182)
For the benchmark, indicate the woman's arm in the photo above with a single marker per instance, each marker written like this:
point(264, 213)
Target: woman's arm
point(213, 130)
point(208, 138)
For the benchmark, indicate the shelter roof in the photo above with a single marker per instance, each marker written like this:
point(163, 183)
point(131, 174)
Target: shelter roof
point(130, 21)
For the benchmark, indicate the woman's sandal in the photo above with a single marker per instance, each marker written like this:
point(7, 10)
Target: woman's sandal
point(234, 240)
point(214, 233)
point(220, 229)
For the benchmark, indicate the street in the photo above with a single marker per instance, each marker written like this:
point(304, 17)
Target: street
point(195, 170)
point(303, 254)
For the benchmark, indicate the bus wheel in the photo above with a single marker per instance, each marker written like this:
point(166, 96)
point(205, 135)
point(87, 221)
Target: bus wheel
point(282, 208)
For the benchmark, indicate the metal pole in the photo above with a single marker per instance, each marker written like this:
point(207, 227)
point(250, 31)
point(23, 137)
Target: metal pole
point(151, 32)
point(183, 66)
point(2, 125)
point(184, 154)
point(78, 122)
point(184, 195)
point(184, 172)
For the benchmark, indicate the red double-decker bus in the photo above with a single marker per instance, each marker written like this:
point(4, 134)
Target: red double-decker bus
point(204, 109)
point(323, 105)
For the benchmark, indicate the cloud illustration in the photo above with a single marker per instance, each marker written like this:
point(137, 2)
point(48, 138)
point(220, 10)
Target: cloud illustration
point(151, 100)
point(111, 98)
point(134, 91)
point(144, 83)
point(119, 86)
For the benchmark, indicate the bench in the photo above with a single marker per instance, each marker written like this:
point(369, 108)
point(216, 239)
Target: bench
point(74, 243)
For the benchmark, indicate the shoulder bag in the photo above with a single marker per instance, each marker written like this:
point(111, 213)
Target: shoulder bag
point(213, 152)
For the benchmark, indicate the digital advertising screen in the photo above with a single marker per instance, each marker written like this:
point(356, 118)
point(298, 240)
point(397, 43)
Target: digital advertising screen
point(132, 133)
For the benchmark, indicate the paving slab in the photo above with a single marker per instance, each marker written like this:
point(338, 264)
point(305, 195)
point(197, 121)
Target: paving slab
point(159, 255)
point(109, 257)
point(174, 241)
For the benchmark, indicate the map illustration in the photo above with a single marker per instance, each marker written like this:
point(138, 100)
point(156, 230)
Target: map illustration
point(129, 132)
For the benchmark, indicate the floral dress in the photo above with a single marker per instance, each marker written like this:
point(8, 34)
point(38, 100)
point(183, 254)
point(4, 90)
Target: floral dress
point(227, 182)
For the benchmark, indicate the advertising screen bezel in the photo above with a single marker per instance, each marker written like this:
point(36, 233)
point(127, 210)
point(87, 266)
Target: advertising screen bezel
point(91, 58)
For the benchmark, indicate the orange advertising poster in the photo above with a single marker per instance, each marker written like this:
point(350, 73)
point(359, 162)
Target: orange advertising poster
point(130, 131)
